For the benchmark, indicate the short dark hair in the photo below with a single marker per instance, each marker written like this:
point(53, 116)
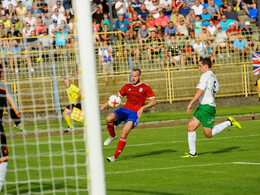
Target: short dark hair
point(206, 61)
point(137, 69)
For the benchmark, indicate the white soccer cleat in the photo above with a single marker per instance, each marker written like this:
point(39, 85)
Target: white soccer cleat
point(111, 159)
point(109, 140)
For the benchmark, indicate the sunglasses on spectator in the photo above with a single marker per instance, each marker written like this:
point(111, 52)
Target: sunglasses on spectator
point(154, 1)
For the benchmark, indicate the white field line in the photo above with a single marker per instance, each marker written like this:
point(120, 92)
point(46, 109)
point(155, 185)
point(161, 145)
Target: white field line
point(181, 141)
point(177, 167)
point(246, 163)
point(59, 153)
point(143, 170)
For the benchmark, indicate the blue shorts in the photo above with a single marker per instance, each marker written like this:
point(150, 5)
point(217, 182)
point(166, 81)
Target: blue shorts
point(126, 115)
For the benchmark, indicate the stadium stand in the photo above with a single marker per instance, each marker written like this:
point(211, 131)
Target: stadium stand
point(52, 47)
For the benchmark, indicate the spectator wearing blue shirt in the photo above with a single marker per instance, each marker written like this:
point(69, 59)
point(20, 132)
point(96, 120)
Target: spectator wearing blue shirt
point(121, 24)
point(240, 45)
point(135, 6)
point(206, 17)
point(142, 13)
point(35, 10)
point(15, 58)
point(185, 9)
point(225, 22)
point(170, 30)
point(61, 41)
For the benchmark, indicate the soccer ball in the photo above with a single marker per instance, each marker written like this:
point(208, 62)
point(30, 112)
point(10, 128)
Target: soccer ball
point(114, 101)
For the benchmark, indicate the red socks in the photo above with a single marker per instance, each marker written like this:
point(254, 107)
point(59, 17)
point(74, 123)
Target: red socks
point(120, 146)
point(110, 128)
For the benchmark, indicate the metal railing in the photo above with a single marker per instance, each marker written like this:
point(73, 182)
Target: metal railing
point(173, 74)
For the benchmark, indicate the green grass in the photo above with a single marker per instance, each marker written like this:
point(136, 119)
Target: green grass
point(172, 115)
point(158, 116)
point(149, 164)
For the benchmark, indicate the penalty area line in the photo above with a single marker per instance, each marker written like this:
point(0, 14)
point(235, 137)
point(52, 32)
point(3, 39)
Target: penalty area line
point(181, 141)
point(187, 166)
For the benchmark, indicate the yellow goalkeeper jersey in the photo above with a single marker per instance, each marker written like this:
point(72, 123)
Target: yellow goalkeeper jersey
point(72, 92)
point(257, 83)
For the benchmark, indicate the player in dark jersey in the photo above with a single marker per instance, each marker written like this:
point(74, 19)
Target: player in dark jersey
point(6, 100)
point(136, 94)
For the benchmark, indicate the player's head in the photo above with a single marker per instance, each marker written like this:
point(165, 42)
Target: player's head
point(205, 64)
point(136, 76)
point(206, 61)
point(66, 82)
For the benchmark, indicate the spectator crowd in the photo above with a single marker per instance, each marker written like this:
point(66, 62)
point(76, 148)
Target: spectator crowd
point(173, 31)
point(169, 31)
point(27, 25)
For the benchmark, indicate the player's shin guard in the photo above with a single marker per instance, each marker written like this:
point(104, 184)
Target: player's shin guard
point(3, 169)
point(110, 128)
point(120, 147)
point(192, 142)
point(67, 119)
point(220, 127)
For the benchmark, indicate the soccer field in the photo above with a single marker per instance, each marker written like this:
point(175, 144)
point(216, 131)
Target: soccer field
point(151, 163)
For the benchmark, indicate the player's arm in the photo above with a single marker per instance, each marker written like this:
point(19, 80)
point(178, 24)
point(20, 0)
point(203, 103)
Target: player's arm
point(78, 97)
point(149, 105)
point(257, 89)
point(194, 99)
point(12, 108)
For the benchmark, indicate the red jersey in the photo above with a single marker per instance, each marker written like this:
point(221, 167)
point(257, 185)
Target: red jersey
point(136, 95)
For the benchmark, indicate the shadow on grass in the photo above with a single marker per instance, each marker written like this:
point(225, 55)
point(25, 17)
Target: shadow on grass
point(122, 191)
point(35, 188)
point(224, 150)
point(147, 154)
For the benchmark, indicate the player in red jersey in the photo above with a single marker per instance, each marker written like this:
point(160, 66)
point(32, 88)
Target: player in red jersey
point(136, 94)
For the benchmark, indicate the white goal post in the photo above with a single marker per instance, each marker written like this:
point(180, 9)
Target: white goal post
point(92, 132)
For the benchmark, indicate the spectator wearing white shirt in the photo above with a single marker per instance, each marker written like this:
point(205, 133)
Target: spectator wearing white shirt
point(58, 16)
point(168, 6)
point(197, 7)
point(59, 7)
point(30, 19)
point(198, 49)
point(156, 8)
point(27, 3)
point(211, 28)
point(221, 39)
point(7, 2)
point(53, 26)
point(46, 43)
point(122, 8)
point(148, 4)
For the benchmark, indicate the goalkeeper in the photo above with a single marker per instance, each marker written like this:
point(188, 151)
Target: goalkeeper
point(6, 100)
point(74, 95)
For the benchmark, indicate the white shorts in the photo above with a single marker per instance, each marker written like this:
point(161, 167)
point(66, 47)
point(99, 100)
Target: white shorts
point(3, 170)
point(177, 58)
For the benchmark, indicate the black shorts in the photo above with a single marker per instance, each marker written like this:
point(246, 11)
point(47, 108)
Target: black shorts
point(71, 106)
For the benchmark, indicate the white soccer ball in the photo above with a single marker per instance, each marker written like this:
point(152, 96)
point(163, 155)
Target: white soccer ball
point(114, 101)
